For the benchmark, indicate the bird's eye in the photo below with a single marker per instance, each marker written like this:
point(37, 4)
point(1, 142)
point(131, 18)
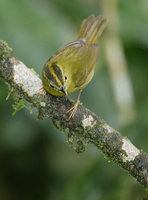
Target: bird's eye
point(65, 78)
point(51, 86)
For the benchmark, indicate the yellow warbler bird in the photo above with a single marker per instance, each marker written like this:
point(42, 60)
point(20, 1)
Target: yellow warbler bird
point(72, 67)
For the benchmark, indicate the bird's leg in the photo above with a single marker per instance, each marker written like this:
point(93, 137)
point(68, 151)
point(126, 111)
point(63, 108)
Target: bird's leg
point(73, 109)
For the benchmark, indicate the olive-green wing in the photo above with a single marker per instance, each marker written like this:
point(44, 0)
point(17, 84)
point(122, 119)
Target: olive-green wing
point(87, 59)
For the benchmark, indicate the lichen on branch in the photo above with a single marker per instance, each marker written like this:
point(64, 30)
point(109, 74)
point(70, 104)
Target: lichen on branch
point(84, 128)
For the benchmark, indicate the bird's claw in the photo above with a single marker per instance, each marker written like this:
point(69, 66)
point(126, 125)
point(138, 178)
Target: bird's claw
point(73, 110)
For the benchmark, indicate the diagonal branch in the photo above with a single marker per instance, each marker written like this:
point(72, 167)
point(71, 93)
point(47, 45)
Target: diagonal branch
point(84, 128)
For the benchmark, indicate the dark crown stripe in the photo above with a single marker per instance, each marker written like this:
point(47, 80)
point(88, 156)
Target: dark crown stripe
point(49, 76)
point(58, 73)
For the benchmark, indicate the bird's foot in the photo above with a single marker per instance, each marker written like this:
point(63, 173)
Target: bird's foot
point(73, 110)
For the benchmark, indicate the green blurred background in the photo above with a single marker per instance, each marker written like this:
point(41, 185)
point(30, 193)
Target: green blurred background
point(36, 162)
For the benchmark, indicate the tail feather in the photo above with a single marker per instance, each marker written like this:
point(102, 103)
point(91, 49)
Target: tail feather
point(85, 26)
point(92, 28)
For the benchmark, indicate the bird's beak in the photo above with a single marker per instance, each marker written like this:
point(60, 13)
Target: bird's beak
point(64, 90)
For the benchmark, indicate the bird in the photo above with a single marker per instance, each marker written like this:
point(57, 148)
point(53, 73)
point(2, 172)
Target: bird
point(72, 66)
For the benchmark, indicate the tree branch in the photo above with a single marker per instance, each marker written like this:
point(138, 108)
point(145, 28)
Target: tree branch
point(84, 128)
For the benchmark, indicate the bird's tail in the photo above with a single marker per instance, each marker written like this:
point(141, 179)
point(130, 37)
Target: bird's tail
point(92, 28)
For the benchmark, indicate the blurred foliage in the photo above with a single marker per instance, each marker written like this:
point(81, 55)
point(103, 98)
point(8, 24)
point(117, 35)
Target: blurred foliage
point(35, 161)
